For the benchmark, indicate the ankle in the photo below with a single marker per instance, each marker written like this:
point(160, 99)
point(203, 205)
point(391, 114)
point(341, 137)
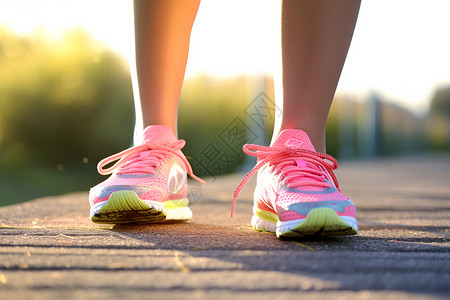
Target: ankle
point(317, 137)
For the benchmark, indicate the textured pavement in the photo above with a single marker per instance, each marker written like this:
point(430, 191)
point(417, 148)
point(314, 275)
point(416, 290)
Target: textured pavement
point(49, 249)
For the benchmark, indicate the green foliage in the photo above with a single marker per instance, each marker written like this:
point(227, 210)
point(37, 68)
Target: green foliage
point(438, 120)
point(332, 134)
point(208, 107)
point(440, 103)
point(64, 105)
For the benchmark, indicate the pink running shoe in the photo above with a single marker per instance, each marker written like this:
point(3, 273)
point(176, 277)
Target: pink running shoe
point(297, 193)
point(148, 182)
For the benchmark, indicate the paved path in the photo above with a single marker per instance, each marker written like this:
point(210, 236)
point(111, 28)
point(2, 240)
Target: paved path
point(49, 249)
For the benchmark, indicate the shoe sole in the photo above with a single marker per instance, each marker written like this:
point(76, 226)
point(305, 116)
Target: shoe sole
point(124, 207)
point(319, 222)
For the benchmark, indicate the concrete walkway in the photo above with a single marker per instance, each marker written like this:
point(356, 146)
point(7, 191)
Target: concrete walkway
point(49, 249)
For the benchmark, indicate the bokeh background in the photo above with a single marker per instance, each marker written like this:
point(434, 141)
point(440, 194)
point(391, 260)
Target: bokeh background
point(66, 97)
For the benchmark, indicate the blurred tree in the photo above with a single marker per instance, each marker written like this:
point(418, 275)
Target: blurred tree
point(61, 101)
point(64, 104)
point(440, 103)
point(438, 119)
point(208, 108)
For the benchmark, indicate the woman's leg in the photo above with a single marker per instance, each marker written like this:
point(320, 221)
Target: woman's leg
point(162, 33)
point(297, 193)
point(145, 186)
point(315, 37)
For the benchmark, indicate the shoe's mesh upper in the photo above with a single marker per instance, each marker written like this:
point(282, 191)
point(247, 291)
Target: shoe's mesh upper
point(286, 198)
point(144, 168)
point(306, 176)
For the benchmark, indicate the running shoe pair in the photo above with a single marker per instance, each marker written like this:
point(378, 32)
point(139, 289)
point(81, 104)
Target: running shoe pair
point(297, 193)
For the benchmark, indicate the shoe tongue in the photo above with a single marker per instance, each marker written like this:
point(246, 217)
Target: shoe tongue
point(160, 134)
point(295, 139)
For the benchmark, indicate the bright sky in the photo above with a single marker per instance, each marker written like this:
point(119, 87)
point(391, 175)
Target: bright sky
point(400, 48)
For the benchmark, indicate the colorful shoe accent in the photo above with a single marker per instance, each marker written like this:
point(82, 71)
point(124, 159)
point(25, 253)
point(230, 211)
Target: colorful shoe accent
point(297, 193)
point(148, 182)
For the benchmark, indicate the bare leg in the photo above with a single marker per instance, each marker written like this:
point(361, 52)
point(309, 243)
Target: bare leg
point(315, 37)
point(162, 33)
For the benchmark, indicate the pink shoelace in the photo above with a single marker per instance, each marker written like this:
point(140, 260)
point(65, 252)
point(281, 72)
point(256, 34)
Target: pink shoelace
point(144, 158)
point(298, 167)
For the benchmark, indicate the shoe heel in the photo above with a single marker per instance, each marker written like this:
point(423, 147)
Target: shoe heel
point(263, 225)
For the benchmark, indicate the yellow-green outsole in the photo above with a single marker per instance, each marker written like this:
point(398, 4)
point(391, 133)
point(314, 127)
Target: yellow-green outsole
point(319, 222)
point(126, 207)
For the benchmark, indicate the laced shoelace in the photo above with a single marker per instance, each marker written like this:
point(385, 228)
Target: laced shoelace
point(144, 158)
point(284, 161)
